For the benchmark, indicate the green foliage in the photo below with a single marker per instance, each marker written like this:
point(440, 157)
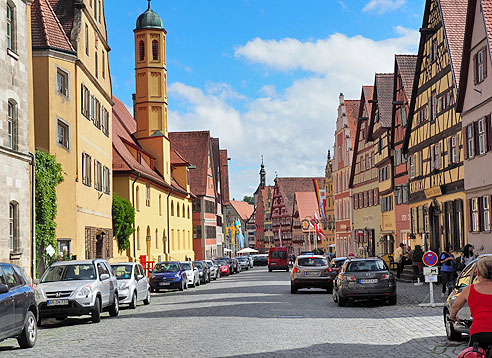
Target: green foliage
point(249, 199)
point(48, 175)
point(123, 220)
point(318, 252)
point(417, 254)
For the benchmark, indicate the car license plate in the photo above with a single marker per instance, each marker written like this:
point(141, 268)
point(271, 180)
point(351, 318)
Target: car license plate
point(273, 263)
point(164, 283)
point(57, 303)
point(372, 280)
point(312, 273)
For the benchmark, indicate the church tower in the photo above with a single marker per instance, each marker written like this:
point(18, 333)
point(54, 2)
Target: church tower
point(262, 175)
point(151, 89)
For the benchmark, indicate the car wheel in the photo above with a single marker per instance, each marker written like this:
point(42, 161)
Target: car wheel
point(293, 289)
point(133, 303)
point(269, 270)
point(450, 331)
point(392, 300)
point(147, 299)
point(114, 310)
point(27, 339)
point(96, 312)
point(341, 301)
point(334, 297)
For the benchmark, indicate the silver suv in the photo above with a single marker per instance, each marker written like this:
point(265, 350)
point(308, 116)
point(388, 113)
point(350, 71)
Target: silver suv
point(76, 288)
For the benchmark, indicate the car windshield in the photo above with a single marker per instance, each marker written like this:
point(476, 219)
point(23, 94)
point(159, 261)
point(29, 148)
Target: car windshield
point(198, 264)
point(166, 267)
point(69, 273)
point(278, 255)
point(122, 272)
point(186, 266)
point(367, 265)
point(312, 262)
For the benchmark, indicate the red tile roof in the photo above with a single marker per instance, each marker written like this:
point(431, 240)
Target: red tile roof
point(65, 11)
point(352, 112)
point(406, 65)
point(307, 204)
point(454, 21)
point(368, 92)
point(47, 31)
point(177, 159)
point(289, 186)
point(384, 95)
point(195, 147)
point(487, 13)
point(244, 209)
point(124, 125)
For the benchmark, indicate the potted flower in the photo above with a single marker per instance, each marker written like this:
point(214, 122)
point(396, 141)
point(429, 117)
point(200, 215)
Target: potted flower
point(417, 264)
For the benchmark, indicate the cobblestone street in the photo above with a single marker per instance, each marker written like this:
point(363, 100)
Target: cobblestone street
point(251, 314)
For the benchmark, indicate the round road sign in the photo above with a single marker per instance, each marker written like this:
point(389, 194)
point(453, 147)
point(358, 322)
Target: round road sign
point(430, 258)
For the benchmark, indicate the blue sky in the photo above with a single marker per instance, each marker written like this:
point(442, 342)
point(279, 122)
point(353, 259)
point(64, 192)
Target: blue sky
point(264, 76)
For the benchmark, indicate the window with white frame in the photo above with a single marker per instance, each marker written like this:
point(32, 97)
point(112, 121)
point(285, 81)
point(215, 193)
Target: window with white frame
point(436, 156)
point(62, 82)
point(14, 226)
point(470, 140)
point(479, 66)
point(482, 140)
point(475, 215)
point(12, 124)
point(11, 26)
point(106, 180)
point(86, 169)
point(433, 105)
point(147, 195)
point(486, 213)
point(453, 150)
point(97, 175)
point(63, 134)
point(87, 39)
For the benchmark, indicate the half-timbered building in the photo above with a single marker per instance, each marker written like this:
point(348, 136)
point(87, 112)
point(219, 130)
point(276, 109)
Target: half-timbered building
point(364, 184)
point(475, 106)
point(433, 138)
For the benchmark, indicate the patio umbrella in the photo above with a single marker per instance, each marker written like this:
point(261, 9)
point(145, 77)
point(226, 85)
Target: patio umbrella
point(247, 250)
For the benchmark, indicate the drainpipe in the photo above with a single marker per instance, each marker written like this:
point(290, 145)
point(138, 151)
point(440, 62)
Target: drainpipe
point(168, 232)
point(133, 203)
point(33, 216)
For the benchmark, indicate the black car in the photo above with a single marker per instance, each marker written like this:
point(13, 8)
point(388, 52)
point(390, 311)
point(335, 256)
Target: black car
point(336, 265)
point(203, 270)
point(18, 308)
point(260, 260)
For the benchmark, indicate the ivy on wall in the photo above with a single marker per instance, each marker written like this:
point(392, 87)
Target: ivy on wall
point(48, 175)
point(123, 220)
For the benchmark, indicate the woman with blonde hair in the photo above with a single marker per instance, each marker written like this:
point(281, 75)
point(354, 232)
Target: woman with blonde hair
point(479, 298)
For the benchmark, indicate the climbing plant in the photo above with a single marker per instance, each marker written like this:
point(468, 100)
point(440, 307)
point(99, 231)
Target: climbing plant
point(123, 220)
point(48, 174)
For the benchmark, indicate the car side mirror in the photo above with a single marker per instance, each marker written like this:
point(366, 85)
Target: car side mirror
point(4, 289)
point(139, 277)
point(104, 276)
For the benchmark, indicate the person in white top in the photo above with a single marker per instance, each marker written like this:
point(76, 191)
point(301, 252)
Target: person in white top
point(467, 255)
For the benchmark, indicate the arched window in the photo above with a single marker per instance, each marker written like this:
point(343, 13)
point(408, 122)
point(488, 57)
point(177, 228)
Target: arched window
point(164, 240)
point(188, 212)
point(177, 210)
point(11, 26)
point(96, 64)
point(137, 199)
point(12, 124)
point(155, 50)
point(178, 239)
point(14, 226)
point(184, 212)
point(160, 205)
point(138, 238)
point(156, 238)
point(141, 48)
point(172, 208)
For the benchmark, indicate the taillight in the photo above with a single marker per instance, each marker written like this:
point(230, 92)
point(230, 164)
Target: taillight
point(296, 270)
point(387, 276)
point(351, 278)
point(329, 269)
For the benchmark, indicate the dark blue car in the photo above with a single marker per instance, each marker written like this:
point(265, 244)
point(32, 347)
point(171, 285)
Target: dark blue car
point(168, 275)
point(18, 308)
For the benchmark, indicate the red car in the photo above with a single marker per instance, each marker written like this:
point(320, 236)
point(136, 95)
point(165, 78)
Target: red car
point(224, 268)
point(278, 259)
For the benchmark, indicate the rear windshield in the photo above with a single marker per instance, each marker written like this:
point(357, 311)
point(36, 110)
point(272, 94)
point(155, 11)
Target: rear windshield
point(198, 264)
point(364, 266)
point(312, 262)
point(338, 263)
point(122, 272)
point(166, 267)
point(278, 255)
point(186, 265)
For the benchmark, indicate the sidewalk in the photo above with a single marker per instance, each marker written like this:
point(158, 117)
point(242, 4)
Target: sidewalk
point(411, 294)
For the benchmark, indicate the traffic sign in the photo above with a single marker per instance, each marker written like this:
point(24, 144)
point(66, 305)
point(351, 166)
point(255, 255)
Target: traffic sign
point(431, 271)
point(430, 258)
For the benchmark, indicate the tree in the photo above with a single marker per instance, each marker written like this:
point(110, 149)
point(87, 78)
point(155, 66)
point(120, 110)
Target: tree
point(48, 174)
point(123, 221)
point(249, 199)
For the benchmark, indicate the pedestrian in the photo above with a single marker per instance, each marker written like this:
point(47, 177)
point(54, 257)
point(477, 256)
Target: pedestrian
point(478, 296)
point(408, 259)
point(398, 258)
point(448, 268)
point(467, 256)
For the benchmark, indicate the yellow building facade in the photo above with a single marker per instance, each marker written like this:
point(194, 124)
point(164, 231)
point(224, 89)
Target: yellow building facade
point(434, 138)
point(145, 170)
point(72, 109)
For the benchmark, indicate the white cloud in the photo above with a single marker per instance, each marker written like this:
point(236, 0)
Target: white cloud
point(382, 6)
point(292, 128)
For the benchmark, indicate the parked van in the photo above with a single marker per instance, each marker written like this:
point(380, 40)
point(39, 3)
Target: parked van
point(278, 259)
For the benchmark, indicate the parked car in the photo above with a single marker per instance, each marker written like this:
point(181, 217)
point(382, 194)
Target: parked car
point(361, 279)
point(311, 271)
point(260, 260)
point(203, 271)
point(18, 308)
point(278, 259)
point(454, 330)
point(192, 274)
point(336, 264)
point(228, 262)
point(133, 285)
point(214, 269)
point(224, 267)
point(168, 275)
point(236, 265)
point(76, 288)
point(250, 259)
point(243, 262)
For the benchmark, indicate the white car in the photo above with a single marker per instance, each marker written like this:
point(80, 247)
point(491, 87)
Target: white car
point(192, 274)
point(214, 270)
point(133, 285)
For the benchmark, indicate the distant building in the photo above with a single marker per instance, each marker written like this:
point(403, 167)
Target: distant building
point(304, 237)
point(237, 212)
point(329, 244)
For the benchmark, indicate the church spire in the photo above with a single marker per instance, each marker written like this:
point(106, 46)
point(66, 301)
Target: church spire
point(262, 174)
